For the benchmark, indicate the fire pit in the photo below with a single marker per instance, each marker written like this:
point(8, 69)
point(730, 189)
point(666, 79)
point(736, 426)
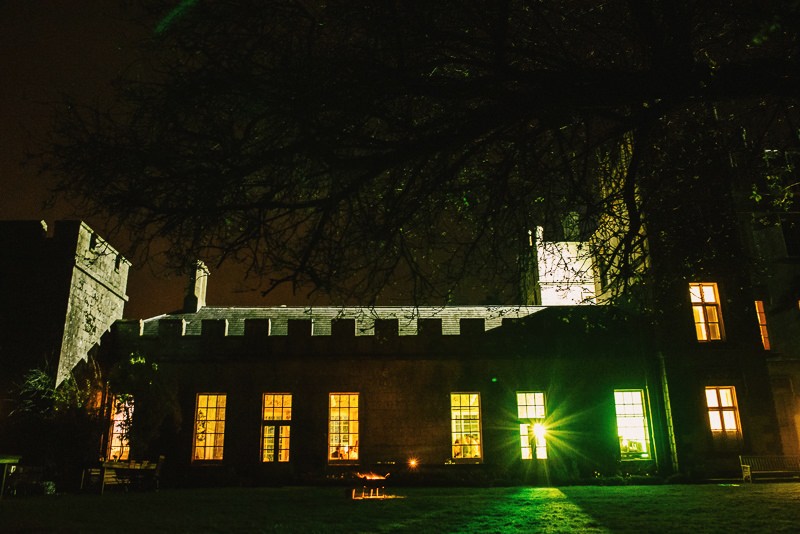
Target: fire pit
point(374, 486)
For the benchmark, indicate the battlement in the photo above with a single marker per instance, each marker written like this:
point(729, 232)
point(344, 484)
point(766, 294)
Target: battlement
point(96, 257)
point(33, 241)
point(380, 322)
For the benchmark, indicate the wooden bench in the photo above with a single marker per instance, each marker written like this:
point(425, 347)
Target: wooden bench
point(769, 467)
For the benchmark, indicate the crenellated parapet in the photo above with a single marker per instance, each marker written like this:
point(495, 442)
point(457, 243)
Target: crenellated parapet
point(95, 257)
point(339, 323)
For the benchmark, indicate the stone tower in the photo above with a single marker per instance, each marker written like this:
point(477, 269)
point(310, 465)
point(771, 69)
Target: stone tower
point(58, 295)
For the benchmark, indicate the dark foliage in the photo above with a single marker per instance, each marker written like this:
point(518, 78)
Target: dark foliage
point(155, 409)
point(58, 429)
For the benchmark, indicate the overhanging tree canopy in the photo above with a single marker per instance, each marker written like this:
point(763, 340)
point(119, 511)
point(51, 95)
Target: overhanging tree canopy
point(354, 147)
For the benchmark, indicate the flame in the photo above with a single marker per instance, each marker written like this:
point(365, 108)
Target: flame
point(372, 476)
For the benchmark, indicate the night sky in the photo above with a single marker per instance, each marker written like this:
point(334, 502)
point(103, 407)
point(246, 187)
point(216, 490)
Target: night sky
point(51, 47)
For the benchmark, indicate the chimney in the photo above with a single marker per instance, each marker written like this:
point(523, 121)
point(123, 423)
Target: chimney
point(196, 291)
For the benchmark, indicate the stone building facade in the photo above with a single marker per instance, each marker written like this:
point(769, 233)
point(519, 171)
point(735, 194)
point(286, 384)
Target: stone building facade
point(541, 394)
point(59, 293)
point(544, 393)
point(461, 391)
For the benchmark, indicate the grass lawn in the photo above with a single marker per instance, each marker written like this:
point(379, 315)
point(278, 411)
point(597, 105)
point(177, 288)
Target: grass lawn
point(673, 508)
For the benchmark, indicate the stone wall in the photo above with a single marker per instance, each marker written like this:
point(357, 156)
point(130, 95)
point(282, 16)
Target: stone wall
point(96, 297)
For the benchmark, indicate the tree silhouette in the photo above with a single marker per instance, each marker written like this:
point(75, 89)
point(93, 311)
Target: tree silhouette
point(359, 147)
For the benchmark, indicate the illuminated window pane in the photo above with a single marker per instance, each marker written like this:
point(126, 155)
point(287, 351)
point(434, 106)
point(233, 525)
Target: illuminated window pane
point(465, 426)
point(118, 443)
point(729, 419)
point(725, 397)
point(283, 444)
point(715, 421)
point(525, 441)
point(530, 409)
point(706, 311)
point(209, 427)
point(709, 292)
point(714, 332)
point(632, 425)
point(277, 414)
point(700, 326)
point(530, 405)
point(343, 427)
point(762, 324)
point(712, 398)
point(268, 454)
point(723, 414)
point(694, 293)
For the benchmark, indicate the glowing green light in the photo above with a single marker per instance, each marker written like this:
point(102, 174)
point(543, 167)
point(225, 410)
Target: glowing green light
point(494, 379)
point(179, 10)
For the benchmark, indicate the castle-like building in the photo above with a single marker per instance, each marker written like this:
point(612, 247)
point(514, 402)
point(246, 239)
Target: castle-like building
point(554, 391)
point(549, 392)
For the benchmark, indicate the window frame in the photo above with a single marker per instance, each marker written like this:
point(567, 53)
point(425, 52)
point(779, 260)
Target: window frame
point(534, 411)
point(118, 435)
point(337, 453)
point(721, 409)
point(471, 449)
point(276, 427)
point(707, 328)
point(761, 317)
point(217, 424)
point(620, 416)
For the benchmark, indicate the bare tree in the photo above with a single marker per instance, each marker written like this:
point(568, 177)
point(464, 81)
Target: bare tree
point(359, 147)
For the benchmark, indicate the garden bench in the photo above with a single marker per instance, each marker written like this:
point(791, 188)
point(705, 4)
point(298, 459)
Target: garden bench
point(772, 467)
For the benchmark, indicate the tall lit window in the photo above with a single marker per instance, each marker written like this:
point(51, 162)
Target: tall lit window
point(632, 427)
point(343, 427)
point(209, 426)
point(530, 410)
point(277, 415)
point(118, 443)
point(706, 311)
point(723, 414)
point(762, 324)
point(465, 425)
